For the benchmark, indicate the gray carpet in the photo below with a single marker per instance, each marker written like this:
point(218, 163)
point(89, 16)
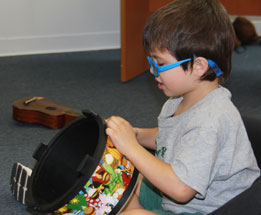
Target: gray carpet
point(245, 80)
point(91, 80)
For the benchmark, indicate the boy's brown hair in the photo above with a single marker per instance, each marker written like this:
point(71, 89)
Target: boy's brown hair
point(193, 28)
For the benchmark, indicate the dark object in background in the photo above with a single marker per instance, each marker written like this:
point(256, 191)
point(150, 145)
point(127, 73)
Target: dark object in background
point(245, 31)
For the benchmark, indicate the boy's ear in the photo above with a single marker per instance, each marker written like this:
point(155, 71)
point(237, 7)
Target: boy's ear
point(200, 66)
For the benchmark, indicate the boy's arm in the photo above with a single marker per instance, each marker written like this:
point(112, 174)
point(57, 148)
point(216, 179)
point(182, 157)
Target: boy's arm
point(159, 173)
point(146, 137)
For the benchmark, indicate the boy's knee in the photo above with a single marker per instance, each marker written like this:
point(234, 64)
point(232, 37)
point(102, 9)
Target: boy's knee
point(137, 189)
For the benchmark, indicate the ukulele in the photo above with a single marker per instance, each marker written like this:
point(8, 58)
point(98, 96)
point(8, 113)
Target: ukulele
point(42, 111)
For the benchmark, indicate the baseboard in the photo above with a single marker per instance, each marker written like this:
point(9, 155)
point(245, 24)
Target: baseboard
point(59, 43)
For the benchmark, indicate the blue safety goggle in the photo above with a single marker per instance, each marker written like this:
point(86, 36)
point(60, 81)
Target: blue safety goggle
point(156, 69)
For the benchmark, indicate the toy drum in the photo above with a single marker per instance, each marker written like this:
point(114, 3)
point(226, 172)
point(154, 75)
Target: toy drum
point(80, 172)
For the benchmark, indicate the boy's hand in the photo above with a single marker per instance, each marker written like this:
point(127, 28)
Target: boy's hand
point(122, 134)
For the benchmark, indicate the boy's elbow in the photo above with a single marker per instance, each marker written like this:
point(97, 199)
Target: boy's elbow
point(183, 195)
point(184, 198)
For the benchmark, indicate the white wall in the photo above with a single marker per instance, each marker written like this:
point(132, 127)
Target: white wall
point(256, 20)
point(45, 26)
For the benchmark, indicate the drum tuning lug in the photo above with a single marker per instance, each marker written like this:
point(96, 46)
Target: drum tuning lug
point(40, 150)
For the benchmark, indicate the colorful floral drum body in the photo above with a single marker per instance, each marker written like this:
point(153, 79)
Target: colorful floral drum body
point(81, 172)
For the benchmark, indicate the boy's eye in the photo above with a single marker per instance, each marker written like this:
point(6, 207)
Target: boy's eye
point(160, 64)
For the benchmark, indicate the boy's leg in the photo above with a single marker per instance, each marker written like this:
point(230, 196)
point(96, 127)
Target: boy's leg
point(145, 195)
point(134, 199)
point(20, 176)
point(138, 212)
point(134, 207)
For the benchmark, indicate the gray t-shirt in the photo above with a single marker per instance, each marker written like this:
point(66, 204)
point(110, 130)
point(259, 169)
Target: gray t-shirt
point(208, 149)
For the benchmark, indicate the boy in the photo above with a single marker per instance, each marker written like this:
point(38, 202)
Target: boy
point(203, 155)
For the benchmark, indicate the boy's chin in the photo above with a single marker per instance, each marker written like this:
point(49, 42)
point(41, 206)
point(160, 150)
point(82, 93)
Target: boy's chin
point(169, 94)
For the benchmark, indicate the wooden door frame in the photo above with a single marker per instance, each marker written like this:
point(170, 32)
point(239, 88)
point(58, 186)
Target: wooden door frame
point(133, 19)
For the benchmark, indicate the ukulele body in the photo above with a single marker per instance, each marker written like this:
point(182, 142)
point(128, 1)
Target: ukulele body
point(42, 111)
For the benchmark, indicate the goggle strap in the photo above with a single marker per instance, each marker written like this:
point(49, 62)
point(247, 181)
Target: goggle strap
point(215, 68)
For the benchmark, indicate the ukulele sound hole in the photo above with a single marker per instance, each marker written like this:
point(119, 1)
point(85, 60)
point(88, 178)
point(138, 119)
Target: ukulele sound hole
point(50, 108)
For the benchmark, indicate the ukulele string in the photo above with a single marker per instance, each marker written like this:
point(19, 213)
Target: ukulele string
point(33, 99)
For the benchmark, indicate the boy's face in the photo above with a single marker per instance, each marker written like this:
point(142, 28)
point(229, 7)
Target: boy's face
point(174, 82)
